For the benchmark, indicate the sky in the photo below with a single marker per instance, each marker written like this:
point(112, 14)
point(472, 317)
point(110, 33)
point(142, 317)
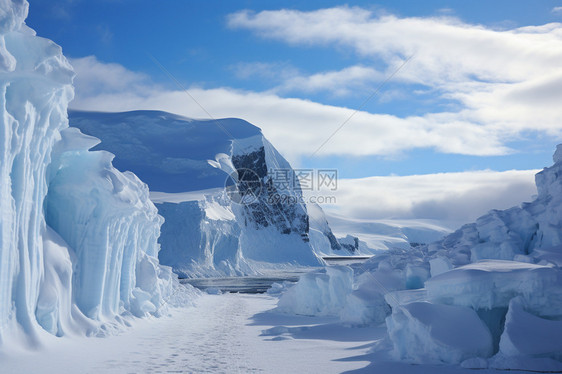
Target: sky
point(381, 91)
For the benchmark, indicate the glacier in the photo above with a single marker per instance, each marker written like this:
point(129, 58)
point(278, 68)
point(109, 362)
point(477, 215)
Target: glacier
point(195, 166)
point(199, 173)
point(78, 238)
point(485, 296)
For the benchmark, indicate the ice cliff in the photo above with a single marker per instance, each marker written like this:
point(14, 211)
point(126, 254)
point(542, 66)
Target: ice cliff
point(77, 237)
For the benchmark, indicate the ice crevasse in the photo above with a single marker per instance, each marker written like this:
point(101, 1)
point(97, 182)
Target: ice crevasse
point(78, 238)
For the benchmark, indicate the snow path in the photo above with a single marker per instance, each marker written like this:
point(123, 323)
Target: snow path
point(230, 333)
point(223, 334)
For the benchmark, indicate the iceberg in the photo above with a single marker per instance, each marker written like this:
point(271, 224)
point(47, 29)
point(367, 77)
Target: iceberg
point(320, 293)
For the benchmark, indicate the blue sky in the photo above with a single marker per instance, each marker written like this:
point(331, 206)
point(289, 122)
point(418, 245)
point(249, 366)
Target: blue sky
point(479, 93)
point(192, 40)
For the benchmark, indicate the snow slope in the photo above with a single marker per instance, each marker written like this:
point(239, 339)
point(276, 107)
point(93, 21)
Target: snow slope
point(166, 151)
point(77, 237)
point(235, 165)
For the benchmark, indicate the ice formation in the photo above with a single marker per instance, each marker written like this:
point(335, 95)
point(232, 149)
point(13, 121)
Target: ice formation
point(487, 295)
point(109, 220)
point(201, 238)
point(320, 293)
point(427, 333)
point(77, 237)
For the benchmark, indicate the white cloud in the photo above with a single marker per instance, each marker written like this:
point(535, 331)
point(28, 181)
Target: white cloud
point(96, 78)
point(451, 198)
point(557, 10)
point(445, 48)
point(339, 83)
point(506, 81)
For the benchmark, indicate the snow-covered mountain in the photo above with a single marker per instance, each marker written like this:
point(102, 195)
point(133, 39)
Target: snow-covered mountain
point(486, 295)
point(387, 234)
point(78, 238)
point(260, 222)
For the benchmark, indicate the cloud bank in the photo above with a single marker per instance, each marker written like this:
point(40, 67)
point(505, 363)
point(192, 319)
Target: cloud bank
point(450, 198)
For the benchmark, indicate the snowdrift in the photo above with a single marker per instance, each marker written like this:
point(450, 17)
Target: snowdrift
point(78, 238)
point(487, 295)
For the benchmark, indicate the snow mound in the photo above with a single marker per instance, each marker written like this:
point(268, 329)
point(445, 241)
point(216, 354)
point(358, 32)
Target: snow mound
point(526, 334)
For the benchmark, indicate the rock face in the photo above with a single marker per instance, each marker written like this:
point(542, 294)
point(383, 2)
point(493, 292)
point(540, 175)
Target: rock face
point(276, 216)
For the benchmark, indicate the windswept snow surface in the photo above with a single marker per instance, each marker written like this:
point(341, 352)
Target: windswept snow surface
point(77, 237)
point(486, 296)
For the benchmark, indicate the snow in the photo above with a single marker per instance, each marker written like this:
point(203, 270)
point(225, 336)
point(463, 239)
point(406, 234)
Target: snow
point(168, 152)
point(234, 333)
point(488, 295)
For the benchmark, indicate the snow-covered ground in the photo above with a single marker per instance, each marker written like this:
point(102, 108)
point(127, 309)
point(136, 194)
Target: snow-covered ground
point(229, 333)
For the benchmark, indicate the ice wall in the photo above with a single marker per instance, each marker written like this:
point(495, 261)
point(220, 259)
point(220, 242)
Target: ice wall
point(109, 220)
point(35, 88)
point(93, 255)
point(200, 238)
